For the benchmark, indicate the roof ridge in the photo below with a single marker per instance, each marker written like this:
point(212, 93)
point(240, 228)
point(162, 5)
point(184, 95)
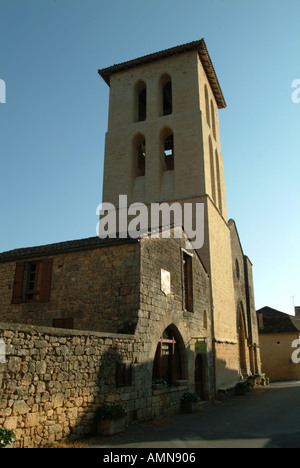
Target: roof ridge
point(199, 45)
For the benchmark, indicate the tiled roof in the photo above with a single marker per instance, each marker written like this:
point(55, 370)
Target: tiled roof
point(61, 247)
point(275, 321)
point(200, 46)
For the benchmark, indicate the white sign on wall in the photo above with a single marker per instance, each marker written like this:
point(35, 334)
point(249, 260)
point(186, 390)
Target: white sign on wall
point(2, 352)
point(165, 282)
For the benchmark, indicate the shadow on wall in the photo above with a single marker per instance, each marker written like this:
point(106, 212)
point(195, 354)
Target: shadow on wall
point(227, 380)
point(54, 380)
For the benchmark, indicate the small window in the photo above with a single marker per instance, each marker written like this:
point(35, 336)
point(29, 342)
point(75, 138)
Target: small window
point(141, 152)
point(166, 95)
point(32, 281)
point(32, 288)
point(169, 153)
point(188, 281)
point(213, 119)
point(142, 105)
point(167, 98)
point(237, 269)
point(212, 171)
point(63, 323)
point(218, 181)
point(207, 105)
point(140, 102)
point(205, 320)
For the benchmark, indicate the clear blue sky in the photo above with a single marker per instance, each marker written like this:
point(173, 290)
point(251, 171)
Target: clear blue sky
point(53, 124)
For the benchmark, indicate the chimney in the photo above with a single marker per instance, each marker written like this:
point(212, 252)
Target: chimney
point(297, 311)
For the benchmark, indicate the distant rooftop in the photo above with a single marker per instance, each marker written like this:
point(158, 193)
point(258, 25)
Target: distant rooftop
point(275, 321)
point(200, 46)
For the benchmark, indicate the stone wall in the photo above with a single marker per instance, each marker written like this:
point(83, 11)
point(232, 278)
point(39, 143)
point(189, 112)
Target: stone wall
point(158, 310)
point(53, 380)
point(244, 298)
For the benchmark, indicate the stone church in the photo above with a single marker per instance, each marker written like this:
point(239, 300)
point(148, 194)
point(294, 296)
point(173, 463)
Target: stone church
point(151, 307)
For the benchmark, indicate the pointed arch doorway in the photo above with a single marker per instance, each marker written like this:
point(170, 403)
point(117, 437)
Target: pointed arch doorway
point(243, 348)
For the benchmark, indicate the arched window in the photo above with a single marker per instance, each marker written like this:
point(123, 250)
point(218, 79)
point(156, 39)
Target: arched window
point(212, 171)
point(139, 155)
point(205, 320)
point(140, 101)
point(207, 105)
point(169, 363)
point(166, 95)
point(213, 121)
point(167, 139)
point(237, 269)
point(219, 182)
point(242, 332)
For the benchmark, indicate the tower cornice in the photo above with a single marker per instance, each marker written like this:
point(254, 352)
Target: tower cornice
point(200, 46)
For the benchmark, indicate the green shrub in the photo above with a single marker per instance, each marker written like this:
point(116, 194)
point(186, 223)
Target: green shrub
point(188, 396)
point(110, 411)
point(7, 437)
point(159, 382)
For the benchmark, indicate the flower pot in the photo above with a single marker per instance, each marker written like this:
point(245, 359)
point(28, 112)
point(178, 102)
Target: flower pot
point(252, 382)
point(111, 426)
point(158, 386)
point(189, 406)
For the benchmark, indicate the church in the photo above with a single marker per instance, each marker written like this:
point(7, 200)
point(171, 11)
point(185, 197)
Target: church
point(171, 311)
point(163, 145)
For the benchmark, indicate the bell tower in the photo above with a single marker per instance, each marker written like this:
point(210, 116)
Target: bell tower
point(163, 142)
point(163, 145)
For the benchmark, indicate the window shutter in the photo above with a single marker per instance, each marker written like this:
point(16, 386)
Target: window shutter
point(18, 283)
point(45, 280)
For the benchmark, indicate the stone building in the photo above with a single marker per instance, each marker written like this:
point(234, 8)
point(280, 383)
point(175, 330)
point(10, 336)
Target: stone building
point(246, 319)
point(151, 307)
point(163, 145)
point(277, 332)
point(116, 286)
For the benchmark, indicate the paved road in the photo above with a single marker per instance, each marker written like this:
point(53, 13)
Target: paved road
point(265, 418)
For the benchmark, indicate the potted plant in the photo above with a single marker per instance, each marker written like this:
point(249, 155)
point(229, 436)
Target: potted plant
point(189, 402)
point(258, 377)
point(158, 383)
point(7, 437)
point(110, 418)
point(241, 388)
point(252, 380)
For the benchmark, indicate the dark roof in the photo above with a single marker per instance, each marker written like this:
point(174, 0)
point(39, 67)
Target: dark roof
point(200, 46)
point(275, 321)
point(61, 247)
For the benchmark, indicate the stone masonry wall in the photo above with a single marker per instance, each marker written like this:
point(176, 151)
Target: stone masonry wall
point(159, 311)
point(53, 381)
